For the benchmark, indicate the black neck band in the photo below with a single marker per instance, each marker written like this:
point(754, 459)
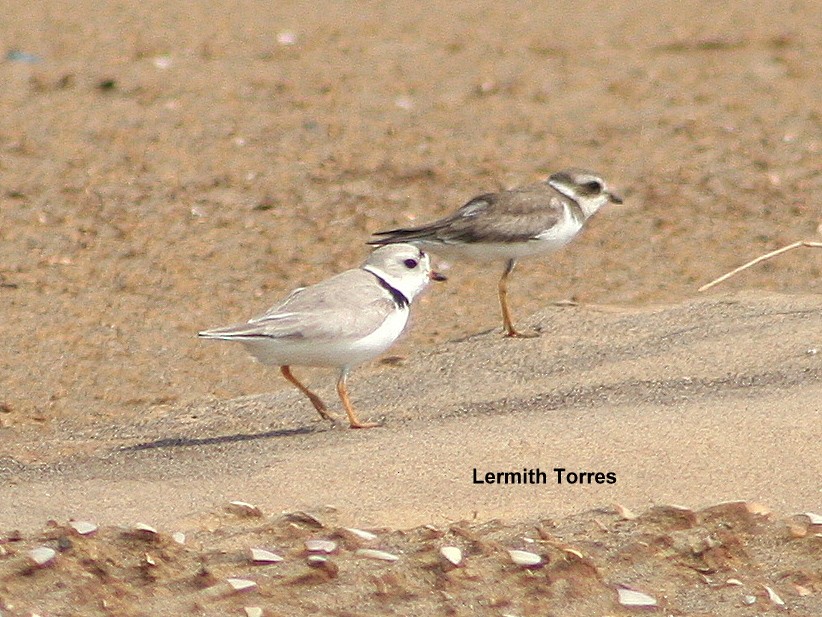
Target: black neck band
point(399, 298)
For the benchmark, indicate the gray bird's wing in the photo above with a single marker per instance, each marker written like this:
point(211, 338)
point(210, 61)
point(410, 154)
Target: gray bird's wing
point(518, 215)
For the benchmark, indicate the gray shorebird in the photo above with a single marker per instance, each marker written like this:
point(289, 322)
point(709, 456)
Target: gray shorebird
point(340, 322)
point(509, 225)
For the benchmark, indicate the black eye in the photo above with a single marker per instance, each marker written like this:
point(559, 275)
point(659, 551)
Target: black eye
point(593, 186)
point(410, 263)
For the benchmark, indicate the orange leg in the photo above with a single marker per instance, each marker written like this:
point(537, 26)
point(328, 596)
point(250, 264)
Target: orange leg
point(315, 400)
point(342, 390)
point(503, 301)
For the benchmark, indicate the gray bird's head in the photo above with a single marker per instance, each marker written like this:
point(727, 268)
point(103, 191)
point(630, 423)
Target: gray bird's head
point(584, 187)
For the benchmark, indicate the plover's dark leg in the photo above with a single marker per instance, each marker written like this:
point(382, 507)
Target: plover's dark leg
point(342, 390)
point(315, 400)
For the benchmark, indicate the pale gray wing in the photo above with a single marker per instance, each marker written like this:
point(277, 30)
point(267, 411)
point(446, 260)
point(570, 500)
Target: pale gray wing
point(518, 215)
point(345, 307)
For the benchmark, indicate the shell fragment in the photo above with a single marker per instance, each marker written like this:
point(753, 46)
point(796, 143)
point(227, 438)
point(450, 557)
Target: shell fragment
point(525, 558)
point(42, 556)
point(84, 528)
point(259, 555)
point(633, 598)
point(371, 553)
point(452, 555)
point(320, 546)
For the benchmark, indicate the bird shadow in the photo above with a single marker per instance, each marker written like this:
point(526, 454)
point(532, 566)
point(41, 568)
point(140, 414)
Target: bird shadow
point(187, 442)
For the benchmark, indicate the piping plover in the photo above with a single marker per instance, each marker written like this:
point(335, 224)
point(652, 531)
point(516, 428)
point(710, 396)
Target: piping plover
point(509, 225)
point(340, 322)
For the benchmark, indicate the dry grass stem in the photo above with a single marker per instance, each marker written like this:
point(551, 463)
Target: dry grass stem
point(753, 262)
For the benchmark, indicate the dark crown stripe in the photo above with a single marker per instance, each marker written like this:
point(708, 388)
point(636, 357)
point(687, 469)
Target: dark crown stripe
point(399, 298)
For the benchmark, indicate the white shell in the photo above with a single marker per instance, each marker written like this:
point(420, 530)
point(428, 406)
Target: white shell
point(259, 555)
point(525, 558)
point(631, 597)
point(320, 546)
point(244, 508)
point(253, 611)
point(773, 596)
point(625, 513)
point(814, 518)
point(179, 537)
point(452, 554)
point(240, 584)
point(145, 528)
point(42, 555)
point(84, 528)
point(371, 553)
point(749, 600)
point(734, 581)
point(361, 534)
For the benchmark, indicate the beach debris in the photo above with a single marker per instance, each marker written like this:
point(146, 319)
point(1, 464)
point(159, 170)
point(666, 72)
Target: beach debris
point(146, 531)
point(240, 584)
point(260, 555)
point(734, 581)
point(746, 513)
point(304, 518)
point(149, 559)
point(243, 508)
point(624, 513)
point(318, 562)
point(162, 62)
point(253, 611)
point(404, 102)
point(452, 555)
point(525, 559)
point(748, 600)
point(15, 55)
point(773, 596)
point(636, 599)
point(759, 259)
point(361, 534)
point(179, 537)
point(286, 38)
point(84, 528)
point(370, 553)
point(42, 556)
point(320, 546)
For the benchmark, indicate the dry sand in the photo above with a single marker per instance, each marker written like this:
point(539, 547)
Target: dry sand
point(168, 167)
